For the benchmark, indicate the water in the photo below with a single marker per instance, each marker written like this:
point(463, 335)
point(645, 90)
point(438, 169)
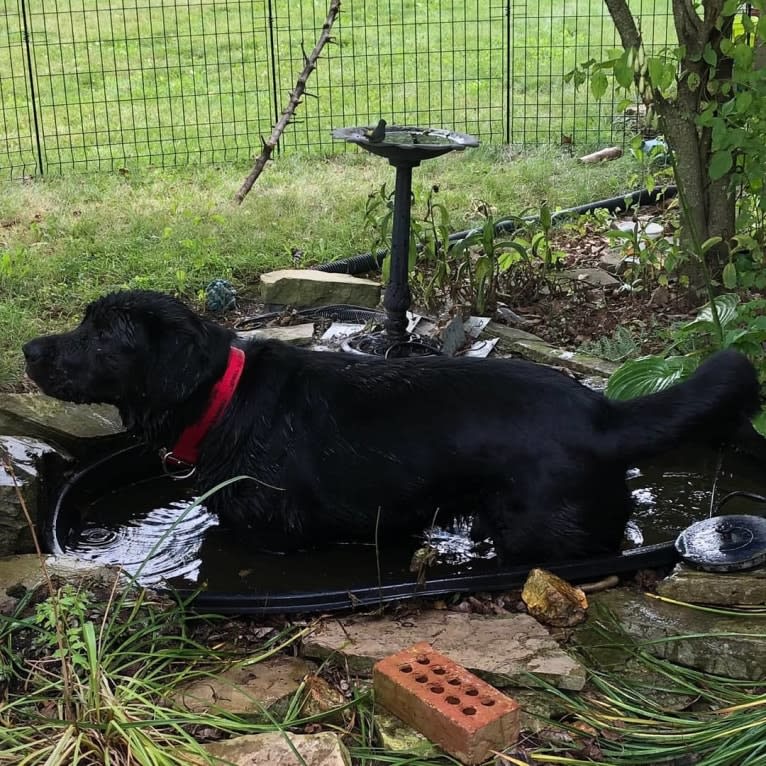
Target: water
point(153, 529)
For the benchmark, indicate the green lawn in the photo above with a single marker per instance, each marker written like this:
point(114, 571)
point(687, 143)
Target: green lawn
point(129, 83)
point(66, 240)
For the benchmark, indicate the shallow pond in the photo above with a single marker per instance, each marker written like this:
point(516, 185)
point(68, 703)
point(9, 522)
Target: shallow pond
point(152, 528)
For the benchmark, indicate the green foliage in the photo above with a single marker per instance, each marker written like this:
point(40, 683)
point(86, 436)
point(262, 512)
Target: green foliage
point(64, 624)
point(722, 323)
point(515, 251)
point(696, 718)
point(719, 75)
point(615, 348)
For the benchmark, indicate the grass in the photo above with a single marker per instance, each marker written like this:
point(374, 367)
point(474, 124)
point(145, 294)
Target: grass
point(96, 679)
point(135, 84)
point(64, 241)
point(644, 710)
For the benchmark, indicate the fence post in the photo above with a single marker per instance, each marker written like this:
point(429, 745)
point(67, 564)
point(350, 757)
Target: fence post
point(274, 76)
point(31, 85)
point(508, 84)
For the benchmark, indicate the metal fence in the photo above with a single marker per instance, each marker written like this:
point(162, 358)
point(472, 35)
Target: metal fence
point(107, 84)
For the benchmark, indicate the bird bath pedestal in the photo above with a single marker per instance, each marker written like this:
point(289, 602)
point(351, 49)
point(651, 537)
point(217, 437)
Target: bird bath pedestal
point(405, 148)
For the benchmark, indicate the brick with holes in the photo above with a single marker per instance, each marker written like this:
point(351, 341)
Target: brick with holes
point(465, 716)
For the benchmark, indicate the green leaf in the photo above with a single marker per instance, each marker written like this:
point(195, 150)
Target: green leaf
point(647, 375)
point(726, 304)
point(693, 81)
point(759, 422)
point(545, 216)
point(708, 243)
point(729, 276)
point(743, 101)
point(720, 164)
point(623, 73)
point(709, 55)
point(598, 84)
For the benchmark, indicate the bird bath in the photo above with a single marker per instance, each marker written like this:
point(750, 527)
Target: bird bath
point(405, 147)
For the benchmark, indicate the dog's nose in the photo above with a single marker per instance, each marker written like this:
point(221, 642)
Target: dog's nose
point(33, 351)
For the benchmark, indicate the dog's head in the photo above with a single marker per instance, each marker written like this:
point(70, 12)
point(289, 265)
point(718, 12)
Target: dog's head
point(134, 349)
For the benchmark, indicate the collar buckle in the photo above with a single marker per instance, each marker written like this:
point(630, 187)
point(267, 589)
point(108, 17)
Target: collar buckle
point(174, 467)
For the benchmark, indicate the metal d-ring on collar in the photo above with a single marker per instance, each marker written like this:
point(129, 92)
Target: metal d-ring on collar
point(185, 470)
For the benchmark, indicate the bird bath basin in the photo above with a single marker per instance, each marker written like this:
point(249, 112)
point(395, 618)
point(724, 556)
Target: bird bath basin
point(403, 143)
point(405, 147)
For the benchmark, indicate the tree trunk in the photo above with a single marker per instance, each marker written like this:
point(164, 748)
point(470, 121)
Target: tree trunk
point(708, 207)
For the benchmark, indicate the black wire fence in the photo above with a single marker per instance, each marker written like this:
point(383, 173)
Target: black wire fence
point(110, 84)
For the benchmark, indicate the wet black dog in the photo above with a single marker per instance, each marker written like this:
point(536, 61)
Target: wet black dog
point(343, 443)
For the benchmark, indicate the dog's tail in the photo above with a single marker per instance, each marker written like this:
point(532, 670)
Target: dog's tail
point(710, 407)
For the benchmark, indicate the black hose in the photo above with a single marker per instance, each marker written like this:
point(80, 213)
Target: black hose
point(356, 264)
point(366, 262)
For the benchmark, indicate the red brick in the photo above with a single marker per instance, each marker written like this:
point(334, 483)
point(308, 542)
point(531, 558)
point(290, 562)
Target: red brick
point(462, 714)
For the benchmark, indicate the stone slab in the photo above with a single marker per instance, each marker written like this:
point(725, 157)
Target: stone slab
point(281, 749)
point(501, 650)
point(308, 288)
point(246, 691)
point(397, 737)
point(590, 277)
point(509, 334)
point(717, 588)
point(717, 644)
point(297, 334)
point(62, 422)
point(539, 351)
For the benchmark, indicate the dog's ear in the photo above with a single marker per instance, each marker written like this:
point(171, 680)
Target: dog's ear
point(186, 353)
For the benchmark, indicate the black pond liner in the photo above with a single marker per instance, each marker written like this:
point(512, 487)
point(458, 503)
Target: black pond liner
point(136, 463)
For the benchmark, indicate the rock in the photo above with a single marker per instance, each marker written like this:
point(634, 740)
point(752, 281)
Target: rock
point(297, 334)
point(539, 351)
point(537, 710)
point(279, 749)
point(307, 288)
point(31, 461)
point(716, 644)
point(590, 277)
point(615, 262)
point(553, 601)
point(23, 573)
point(76, 427)
point(395, 736)
point(509, 334)
point(247, 691)
point(453, 336)
point(323, 699)
point(724, 589)
point(502, 650)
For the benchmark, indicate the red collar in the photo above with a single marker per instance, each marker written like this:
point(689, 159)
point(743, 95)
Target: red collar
point(186, 450)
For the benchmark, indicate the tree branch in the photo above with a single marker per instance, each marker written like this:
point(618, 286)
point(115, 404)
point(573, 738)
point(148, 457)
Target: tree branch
point(310, 63)
point(625, 23)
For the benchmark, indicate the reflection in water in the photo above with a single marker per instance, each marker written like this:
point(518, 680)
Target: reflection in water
point(157, 536)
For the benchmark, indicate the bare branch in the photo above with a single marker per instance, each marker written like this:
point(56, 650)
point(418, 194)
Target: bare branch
point(310, 63)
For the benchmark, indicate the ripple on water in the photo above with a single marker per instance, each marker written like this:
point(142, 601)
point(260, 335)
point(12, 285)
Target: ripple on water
point(155, 545)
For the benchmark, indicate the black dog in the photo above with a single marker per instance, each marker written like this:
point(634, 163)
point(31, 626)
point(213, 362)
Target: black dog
point(342, 445)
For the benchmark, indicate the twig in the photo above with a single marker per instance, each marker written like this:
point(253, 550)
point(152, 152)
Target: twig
point(310, 64)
